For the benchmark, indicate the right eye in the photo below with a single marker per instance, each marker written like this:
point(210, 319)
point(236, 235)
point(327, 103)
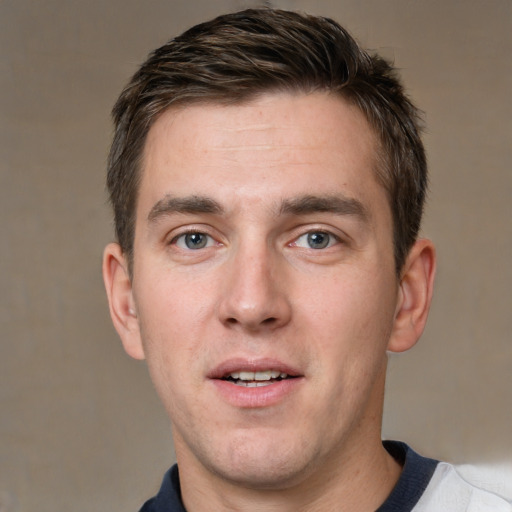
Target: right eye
point(316, 240)
point(193, 240)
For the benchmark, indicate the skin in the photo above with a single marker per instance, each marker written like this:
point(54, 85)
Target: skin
point(257, 183)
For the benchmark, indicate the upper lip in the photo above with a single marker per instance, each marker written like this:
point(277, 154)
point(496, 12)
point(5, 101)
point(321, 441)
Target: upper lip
point(251, 365)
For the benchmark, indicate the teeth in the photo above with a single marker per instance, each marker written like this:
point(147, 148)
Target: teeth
point(254, 384)
point(260, 377)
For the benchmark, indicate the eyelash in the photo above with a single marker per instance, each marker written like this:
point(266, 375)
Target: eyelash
point(175, 240)
point(332, 239)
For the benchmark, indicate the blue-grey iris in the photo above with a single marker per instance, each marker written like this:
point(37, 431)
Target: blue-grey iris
point(196, 240)
point(318, 240)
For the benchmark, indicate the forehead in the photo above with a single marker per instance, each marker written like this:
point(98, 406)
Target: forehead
point(277, 143)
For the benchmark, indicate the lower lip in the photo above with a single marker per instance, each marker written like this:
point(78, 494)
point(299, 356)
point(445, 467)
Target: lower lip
point(257, 397)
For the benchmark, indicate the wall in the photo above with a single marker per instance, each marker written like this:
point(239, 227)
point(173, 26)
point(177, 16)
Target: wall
point(80, 426)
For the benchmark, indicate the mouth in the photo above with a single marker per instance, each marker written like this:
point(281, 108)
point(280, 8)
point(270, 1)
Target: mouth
point(256, 379)
point(255, 383)
point(253, 373)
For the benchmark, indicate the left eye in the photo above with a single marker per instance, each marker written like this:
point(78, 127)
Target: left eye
point(316, 240)
point(194, 241)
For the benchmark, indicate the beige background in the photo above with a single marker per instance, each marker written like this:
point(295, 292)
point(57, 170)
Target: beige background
point(80, 426)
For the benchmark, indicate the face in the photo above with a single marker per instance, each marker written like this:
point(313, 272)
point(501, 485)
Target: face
point(264, 284)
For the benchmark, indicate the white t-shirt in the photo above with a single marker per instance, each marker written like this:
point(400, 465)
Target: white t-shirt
point(448, 491)
point(427, 485)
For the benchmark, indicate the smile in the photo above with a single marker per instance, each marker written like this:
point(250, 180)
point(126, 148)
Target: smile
point(255, 383)
point(250, 379)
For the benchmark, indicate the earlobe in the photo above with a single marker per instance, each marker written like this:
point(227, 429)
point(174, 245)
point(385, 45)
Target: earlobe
point(120, 298)
point(414, 296)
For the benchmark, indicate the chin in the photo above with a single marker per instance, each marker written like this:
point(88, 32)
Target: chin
point(267, 464)
point(264, 476)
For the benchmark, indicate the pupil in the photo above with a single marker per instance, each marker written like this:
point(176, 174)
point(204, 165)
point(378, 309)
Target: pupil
point(195, 240)
point(318, 240)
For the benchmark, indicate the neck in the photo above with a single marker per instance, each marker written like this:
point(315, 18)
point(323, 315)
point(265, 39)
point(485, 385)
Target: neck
point(359, 484)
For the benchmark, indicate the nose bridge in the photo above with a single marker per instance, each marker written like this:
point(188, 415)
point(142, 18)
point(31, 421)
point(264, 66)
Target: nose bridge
point(254, 294)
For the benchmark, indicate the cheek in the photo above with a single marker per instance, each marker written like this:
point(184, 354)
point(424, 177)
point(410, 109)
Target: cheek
point(170, 357)
point(171, 303)
point(362, 303)
point(350, 322)
point(357, 322)
point(170, 313)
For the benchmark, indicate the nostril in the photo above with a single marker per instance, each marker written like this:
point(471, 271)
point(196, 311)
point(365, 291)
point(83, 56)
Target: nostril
point(266, 321)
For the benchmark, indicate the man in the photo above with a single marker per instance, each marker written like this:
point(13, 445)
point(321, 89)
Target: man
point(268, 179)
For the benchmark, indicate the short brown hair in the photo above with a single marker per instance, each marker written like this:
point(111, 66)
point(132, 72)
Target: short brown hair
point(237, 56)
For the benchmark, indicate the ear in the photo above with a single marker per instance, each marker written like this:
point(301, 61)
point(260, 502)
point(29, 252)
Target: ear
point(414, 296)
point(120, 298)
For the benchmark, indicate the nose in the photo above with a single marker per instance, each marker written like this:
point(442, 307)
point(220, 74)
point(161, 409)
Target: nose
point(254, 294)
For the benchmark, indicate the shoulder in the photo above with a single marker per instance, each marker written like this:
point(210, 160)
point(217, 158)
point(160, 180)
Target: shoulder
point(427, 485)
point(447, 490)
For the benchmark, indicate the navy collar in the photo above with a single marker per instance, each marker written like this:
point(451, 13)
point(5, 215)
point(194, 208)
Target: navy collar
point(416, 475)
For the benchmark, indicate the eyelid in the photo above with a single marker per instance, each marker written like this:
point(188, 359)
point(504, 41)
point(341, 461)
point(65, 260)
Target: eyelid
point(334, 239)
point(304, 229)
point(176, 241)
point(188, 230)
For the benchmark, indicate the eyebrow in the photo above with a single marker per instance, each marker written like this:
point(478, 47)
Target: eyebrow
point(339, 205)
point(302, 205)
point(191, 204)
